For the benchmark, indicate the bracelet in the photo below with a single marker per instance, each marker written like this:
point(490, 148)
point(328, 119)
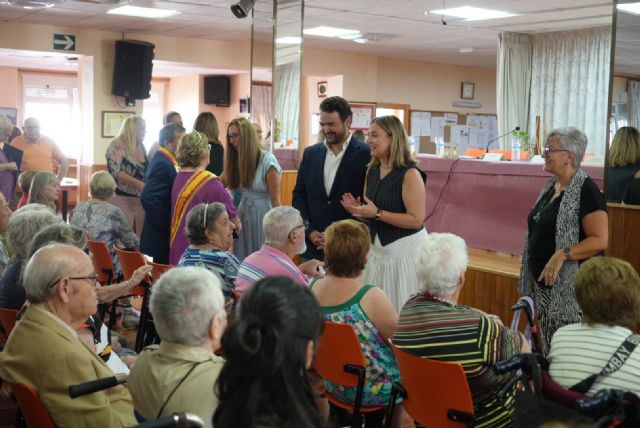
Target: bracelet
point(378, 214)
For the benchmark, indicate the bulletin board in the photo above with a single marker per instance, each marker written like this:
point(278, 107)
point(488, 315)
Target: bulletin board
point(464, 130)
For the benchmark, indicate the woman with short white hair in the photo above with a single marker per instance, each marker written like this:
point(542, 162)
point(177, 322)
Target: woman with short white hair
point(432, 325)
point(103, 221)
point(179, 374)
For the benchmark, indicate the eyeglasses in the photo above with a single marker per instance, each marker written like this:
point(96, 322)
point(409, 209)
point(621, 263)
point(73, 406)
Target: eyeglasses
point(547, 150)
point(304, 224)
point(233, 136)
point(93, 278)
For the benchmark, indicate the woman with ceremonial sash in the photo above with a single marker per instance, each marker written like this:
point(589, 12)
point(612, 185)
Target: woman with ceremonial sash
point(194, 185)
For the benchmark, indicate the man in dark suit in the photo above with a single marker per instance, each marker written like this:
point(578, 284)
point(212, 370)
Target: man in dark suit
point(327, 171)
point(156, 195)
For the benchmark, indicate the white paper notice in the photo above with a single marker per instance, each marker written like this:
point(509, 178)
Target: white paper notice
point(437, 126)
point(451, 118)
point(420, 124)
point(474, 122)
point(460, 137)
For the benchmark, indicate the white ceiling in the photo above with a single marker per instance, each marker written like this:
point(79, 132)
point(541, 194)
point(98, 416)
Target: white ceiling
point(401, 24)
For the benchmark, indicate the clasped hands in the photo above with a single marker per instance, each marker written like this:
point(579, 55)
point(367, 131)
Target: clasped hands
point(356, 208)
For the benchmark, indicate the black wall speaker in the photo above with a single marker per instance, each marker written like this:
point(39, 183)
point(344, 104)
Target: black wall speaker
point(132, 69)
point(217, 90)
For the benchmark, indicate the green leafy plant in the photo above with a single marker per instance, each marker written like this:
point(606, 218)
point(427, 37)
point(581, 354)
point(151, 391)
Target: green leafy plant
point(524, 139)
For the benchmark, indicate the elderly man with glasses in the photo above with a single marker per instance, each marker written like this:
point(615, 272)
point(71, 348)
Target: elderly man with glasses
point(284, 232)
point(44, 351)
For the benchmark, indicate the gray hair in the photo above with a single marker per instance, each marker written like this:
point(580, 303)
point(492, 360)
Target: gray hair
point(47, 265)
point(6, 128)
point(102, 185)
point(25, 223)
point(440, 261)
point(277, 224)
point(59, 233)
point(196, 224)
point(571, 139)
point(183, 303)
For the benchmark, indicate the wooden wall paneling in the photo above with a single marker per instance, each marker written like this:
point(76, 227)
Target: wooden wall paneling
point(624, 233)
point(287, 183)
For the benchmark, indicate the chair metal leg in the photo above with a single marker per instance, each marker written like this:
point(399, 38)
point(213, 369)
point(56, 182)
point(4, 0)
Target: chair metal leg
point(396, 389)
point(357, 405)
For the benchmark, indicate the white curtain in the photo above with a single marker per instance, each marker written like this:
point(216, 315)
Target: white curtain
point(287, 101)
point(570, 83)
point(514, 83)
point(633, 103)
point(261, 109)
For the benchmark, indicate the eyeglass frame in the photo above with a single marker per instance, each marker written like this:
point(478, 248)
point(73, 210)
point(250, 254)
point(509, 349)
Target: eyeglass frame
point(305, 224)
point(233, 137)
point(547, 150)
point(94, 277)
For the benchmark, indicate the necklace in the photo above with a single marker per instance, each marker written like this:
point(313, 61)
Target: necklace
point(440, 299)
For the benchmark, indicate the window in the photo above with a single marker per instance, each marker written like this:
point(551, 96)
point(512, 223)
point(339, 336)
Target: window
point(54, 101)
point(153, 113)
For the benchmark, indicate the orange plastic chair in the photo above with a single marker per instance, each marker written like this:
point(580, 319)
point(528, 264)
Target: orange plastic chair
point(33, 410)
point(129, 262)
point(340, 361)
point(102, 263)
point(157, 269)
point(8, 319)
point(435, 393)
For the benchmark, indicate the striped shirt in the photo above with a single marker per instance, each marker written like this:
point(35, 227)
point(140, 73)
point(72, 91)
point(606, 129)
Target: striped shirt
point(433, 329)
point(580, 350)
point(220, 262)
point(268, 261)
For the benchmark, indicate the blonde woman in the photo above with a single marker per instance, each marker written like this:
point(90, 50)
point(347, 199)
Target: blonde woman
point(624, 162)
point(207, 124)
point(394, 206)
point(193, 185)
point(44, 189)
point(256, 173)
point(127, 162)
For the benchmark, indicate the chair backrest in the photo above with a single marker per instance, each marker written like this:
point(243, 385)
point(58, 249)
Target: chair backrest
point(102, 263)
point(33, 410)
point(338, 346)
point(157, 269)
point(433, 387)
point(129, 262)
point(8, 319)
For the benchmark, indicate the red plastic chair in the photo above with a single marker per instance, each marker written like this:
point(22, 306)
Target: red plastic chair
point(102, 263)
point(8, 319)
point(340, 361)
point(435, 393)
point(157, 270)
point(33, 410)
point(129, 262)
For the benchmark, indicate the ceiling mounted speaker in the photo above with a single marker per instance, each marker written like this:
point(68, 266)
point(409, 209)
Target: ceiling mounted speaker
point(242, 8)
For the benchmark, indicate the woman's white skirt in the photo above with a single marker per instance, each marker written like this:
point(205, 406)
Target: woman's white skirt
point(393, 268)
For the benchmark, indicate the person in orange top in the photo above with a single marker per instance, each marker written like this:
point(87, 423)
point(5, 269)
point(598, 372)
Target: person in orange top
point(40, 153)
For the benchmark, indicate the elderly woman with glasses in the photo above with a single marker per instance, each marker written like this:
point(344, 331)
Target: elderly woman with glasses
point(256, 174)
point(193, 185)
point(210, 232)
point(567, 225)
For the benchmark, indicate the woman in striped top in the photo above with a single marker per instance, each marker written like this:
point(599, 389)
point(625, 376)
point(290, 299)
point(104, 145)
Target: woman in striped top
point(432, 325)
point(608, 292)
point(394, 206)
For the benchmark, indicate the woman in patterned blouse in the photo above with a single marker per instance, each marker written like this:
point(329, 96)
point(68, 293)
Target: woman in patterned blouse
point(127, 162)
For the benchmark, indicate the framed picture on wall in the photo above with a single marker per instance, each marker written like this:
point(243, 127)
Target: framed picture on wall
point(467, 90)
point(363, 114)
point(323, 87)
point(112, 121)
point(245, 105)
point(11, 113)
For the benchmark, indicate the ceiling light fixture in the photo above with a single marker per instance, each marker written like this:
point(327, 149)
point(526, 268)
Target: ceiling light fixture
point(289, 40)
point(466, 50)
point(142, 12)
point(323, 31)
point(470, 13)
point(633, 8)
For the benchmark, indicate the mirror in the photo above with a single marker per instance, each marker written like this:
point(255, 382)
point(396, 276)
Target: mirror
point(288, 16)
point(625, 93)
point(260, 104)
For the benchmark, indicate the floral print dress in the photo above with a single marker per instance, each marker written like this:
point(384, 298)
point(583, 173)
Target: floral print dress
point(382, 370)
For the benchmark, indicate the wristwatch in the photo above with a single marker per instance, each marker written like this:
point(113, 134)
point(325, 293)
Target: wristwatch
point(378, 214)
point(567, 252)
